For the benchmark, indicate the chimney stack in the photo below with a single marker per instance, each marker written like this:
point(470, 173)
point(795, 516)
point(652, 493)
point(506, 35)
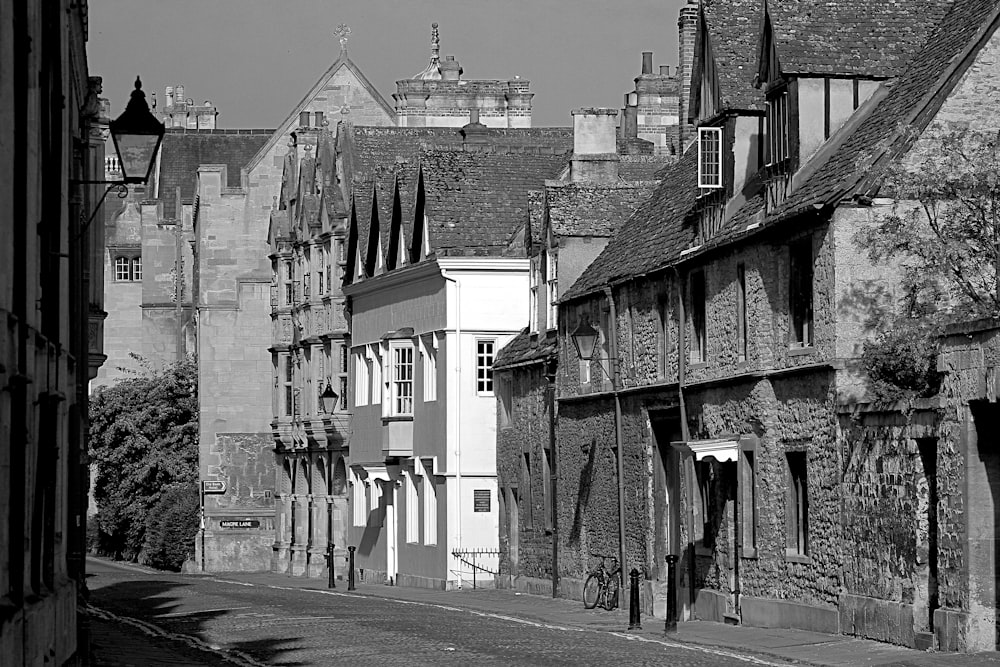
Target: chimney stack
point(595, 146)
point(450, 69)
point(630, 117)
point(664, 70)
point(169, 95)
point(687, 26)
point(179, 95)
point(647, 62)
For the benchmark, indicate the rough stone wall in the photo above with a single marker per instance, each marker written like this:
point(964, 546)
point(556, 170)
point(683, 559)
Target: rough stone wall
point(527, 432)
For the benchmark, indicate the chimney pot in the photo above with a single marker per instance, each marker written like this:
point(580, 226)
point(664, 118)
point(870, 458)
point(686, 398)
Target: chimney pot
point(647, 62)
point(664, 70)
point(303, 119)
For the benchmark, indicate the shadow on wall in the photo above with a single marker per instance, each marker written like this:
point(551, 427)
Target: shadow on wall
point(583, 495)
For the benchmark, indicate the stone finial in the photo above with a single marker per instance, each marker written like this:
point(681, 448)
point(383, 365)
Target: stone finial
point(343, 33)
point(435, 43)
point(433, 71)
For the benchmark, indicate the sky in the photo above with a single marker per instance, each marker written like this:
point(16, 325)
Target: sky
point(256, 59)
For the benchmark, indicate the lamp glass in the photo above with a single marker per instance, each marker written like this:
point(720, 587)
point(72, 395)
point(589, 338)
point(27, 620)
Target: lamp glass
point(137, 152)
point(329, 399)
point(585, 340)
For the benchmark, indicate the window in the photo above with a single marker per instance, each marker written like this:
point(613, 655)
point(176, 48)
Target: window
point(430, 510)
point(289, 291)
point(412, 508)
point(401, 387)
point(128, 269)
point(748, 502)
point(604, 342)
point(361, 390)
point(342, 373)
point(484, 365)
point(504, 388)
point(777, 127)
point(797, 505)
point(552, 288)
point(526, 484)
point(328, 267)
point(709, 157)
point(534, 279)
point(800, 293)
point(699, 341)
point(319, 261)
point(430, 368)
point(288, 393)
point(741, 312)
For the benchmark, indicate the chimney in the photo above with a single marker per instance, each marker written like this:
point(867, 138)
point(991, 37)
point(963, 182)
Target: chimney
point(595, 146)
point(206, 116)
point(647, 62)
point(474, 132)
point(630, 117)
point(473, 116)
point(303, 119)
point(450, 69)
point(179, 95)
point(687, 26)
point(664, 70)
point(169, 94)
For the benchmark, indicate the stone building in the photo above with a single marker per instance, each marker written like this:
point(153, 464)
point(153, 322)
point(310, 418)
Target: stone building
point(732, 312)
point(570, 222)
point(51, 306)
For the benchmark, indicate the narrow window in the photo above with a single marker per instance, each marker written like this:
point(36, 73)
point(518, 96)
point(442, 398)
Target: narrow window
point(342, 374)
point(137, 268)
point(741, 312)
point(777, 127)
point(122, 268)
point(430, 369)
point(529, 499)
point(699, 340)
point(504, 387)
point(797, 505)
point(484, 366)
point(320, 262)
point(534, 279)
point(289, 291)
point(709, 157)
point(552, 287)
point(288, 386)
point(800, 291)
point(748, 502)
point(328, 267)
point(402, 379)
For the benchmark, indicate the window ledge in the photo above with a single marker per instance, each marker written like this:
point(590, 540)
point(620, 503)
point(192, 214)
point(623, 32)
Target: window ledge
point(796, 557)
point(800, 350)
point(397, 418)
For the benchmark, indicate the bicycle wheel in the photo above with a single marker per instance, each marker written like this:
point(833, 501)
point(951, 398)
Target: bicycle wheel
point(591, 591)
point(611, 594)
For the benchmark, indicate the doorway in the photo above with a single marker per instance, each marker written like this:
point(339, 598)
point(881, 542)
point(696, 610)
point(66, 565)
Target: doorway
point(983, 529)
point(666, 428)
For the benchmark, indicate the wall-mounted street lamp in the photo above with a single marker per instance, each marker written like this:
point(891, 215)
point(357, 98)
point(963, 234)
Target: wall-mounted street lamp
point(585, 339)
point(137, 135)
point(328, 399)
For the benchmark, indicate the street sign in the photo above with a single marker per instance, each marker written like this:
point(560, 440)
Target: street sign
point(239, 523)
point(213, 486)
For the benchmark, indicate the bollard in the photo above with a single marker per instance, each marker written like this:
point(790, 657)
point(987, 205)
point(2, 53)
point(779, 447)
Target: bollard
point(633, 601)
point(332, 583)
point(350, 568)
point(670, 625)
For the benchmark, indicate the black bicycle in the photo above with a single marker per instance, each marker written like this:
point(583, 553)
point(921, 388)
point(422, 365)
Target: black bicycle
point(602, 586)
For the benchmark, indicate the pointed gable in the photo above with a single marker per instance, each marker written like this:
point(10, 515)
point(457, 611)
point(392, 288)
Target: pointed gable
point(726, 44)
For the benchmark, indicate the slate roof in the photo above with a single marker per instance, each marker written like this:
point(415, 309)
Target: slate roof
point(643, 167)
point(182, 151)
point(870, 38)
point(653, 236)
point(583, 209)
point(527, 348)
point(733, 27)
point(475, 200)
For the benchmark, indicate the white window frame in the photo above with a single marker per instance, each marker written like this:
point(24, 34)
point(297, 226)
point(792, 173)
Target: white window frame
point(430, 367)
point(709, 171)
point(400, 378)
point(136, 266)
point(534, 279)
point(552, 287)
point(484, 370)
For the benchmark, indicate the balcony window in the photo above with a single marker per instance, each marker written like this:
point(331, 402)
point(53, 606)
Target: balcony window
point(709, 157)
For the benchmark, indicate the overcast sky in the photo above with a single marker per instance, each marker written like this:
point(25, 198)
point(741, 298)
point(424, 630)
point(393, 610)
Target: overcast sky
point(256, 59)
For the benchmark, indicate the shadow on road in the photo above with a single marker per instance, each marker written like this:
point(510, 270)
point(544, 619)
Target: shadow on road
point(158, 601)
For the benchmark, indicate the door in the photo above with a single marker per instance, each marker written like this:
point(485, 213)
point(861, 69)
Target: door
point(666, 428)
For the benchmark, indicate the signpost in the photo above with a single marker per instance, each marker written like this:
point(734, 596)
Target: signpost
point(213, 486)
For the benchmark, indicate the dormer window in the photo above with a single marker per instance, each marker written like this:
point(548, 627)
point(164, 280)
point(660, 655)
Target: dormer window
point(710, 157)
point(777, 127)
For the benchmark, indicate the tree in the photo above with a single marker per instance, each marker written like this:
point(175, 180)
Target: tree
point(944, 234)
point(144, 442)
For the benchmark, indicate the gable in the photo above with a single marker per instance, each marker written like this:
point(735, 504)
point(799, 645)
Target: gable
point(705, 92)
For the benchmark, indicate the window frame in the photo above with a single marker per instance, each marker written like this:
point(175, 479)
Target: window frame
point(797, 504)
point(484, 371)
point(551, 288)
point(400, 380)
point(777, 122)
point(710, 176)
point(534, 281)
point(801, 287)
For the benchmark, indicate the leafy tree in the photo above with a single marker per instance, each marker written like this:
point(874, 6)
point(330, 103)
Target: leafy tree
point(171, 528)
point(944, 234)
point(144, 442)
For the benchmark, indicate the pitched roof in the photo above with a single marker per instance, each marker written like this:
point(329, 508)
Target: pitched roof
point(585, 209)
point(733, 27)
point(653, 237)
point(183, 150)
point(860, 153)
point(643, 167)
point(851, 37)
point(527, 348)
point(475, 200)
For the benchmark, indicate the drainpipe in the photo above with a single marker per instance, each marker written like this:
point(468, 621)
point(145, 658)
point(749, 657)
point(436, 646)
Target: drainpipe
point(685, 434)
point(554, 471)
point(619, 440)
point(458, 403)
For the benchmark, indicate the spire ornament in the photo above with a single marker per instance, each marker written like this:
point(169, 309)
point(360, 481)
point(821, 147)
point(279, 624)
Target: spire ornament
point(343, 33)
point(433, 70)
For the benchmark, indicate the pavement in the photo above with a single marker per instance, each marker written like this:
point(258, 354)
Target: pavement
point(122, 640)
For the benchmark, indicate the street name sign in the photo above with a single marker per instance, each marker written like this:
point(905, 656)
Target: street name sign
point(213, 486)
point(239, 523)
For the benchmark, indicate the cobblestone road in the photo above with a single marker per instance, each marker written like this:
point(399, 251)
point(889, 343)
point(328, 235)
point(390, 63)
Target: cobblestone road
point(274, 625)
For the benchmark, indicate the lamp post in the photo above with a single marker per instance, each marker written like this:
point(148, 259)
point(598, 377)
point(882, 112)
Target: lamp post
point(585, 339)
